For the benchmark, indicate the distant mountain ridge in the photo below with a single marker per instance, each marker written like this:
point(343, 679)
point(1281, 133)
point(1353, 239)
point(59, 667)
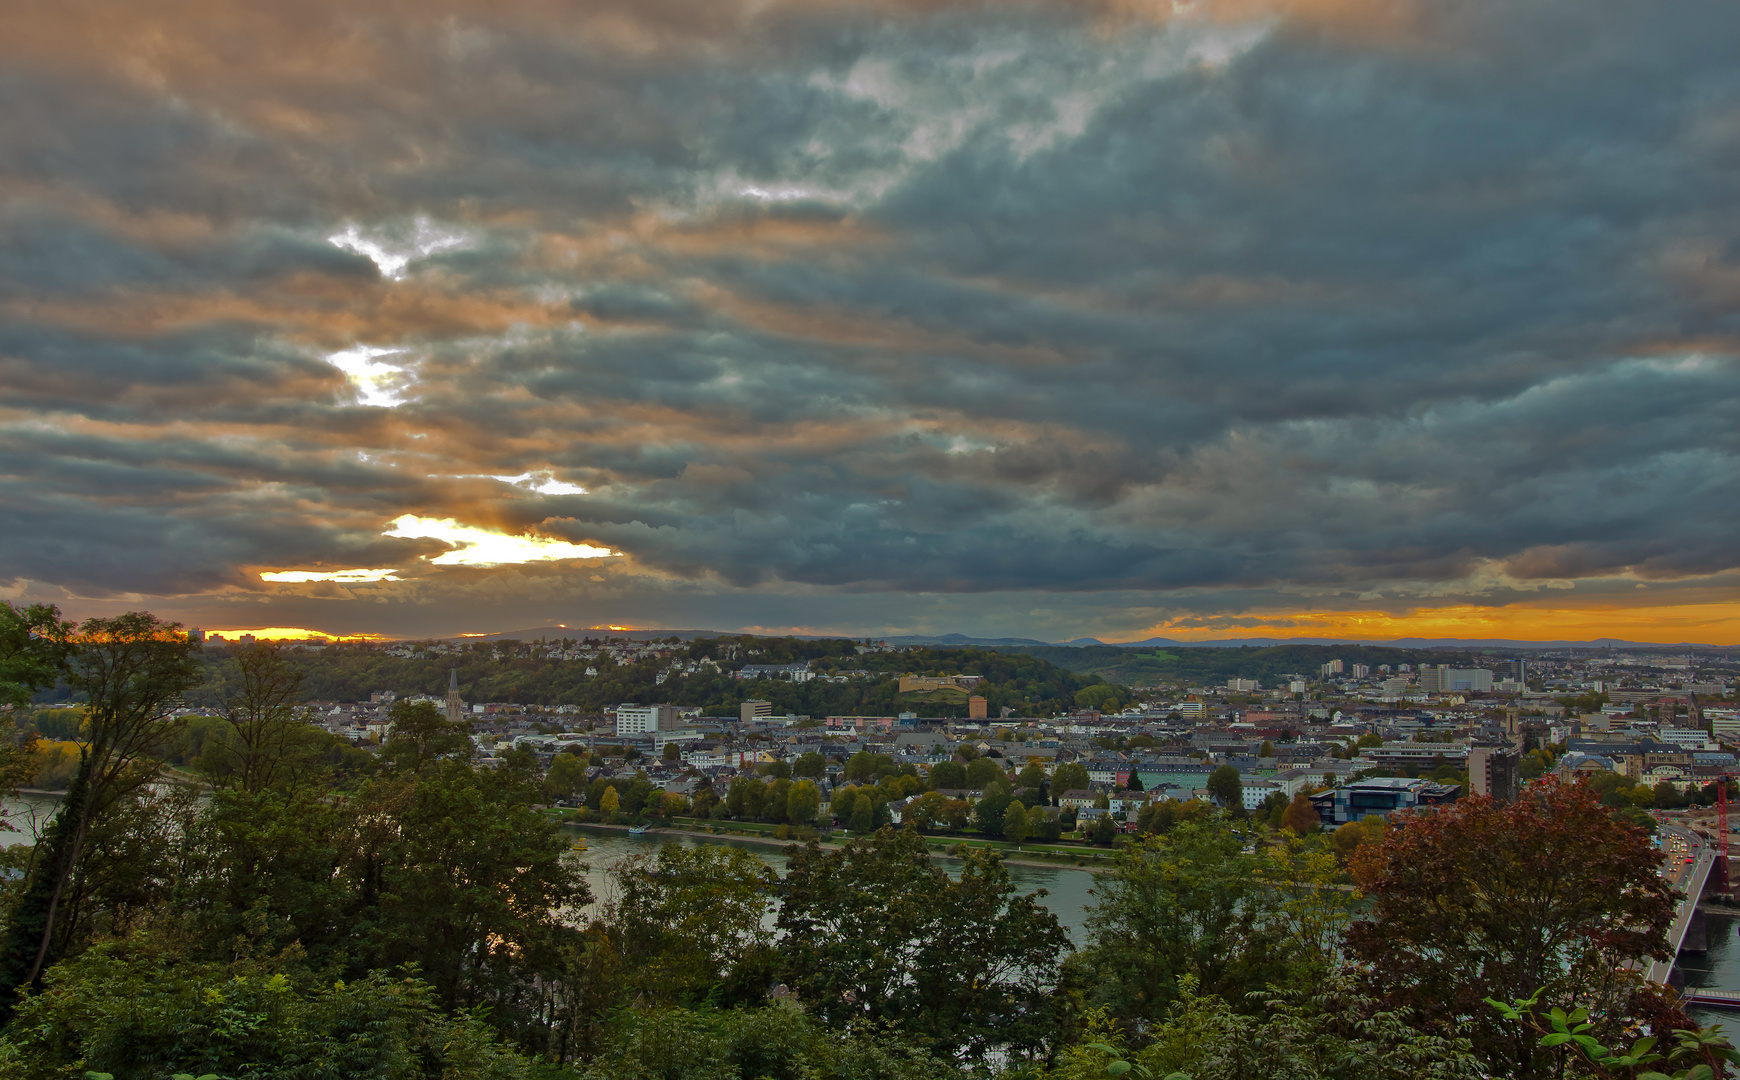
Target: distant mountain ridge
point(967, 641)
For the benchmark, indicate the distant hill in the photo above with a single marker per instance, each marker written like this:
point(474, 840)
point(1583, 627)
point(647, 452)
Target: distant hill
point(967, 641)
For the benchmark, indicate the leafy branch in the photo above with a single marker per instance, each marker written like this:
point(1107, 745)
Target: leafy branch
point(1694, 1054)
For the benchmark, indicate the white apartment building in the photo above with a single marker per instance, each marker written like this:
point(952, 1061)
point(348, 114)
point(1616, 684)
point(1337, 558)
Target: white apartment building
point(634, 719)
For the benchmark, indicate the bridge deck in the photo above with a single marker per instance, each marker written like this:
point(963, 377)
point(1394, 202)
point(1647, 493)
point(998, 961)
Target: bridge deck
point(1693, 886)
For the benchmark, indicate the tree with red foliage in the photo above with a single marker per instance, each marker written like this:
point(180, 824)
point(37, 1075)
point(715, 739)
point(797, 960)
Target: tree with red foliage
point(1488, 899)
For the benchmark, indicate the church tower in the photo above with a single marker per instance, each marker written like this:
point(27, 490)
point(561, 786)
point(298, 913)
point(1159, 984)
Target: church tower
point(455, 707)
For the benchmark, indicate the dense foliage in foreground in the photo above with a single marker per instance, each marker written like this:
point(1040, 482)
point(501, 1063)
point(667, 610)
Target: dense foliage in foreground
point(419, 917)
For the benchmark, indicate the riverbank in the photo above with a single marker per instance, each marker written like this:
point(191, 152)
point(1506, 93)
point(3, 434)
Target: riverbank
point(765, 840)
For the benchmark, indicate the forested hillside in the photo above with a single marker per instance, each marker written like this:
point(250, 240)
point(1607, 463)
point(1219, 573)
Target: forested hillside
point(524, 673)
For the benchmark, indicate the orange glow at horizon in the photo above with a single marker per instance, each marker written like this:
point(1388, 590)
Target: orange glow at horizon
point(288, 633)
point(1709, 624)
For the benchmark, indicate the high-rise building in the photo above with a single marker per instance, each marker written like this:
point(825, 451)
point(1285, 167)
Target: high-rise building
point(753, 709)
point(634, 719)
point(1441, 679)
point(1360, 671)
point(1332, 668)
point(1495, 772)
point(977, 708)
point(455, 706)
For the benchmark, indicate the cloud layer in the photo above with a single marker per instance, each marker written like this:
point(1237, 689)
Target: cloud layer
point(1028, 318)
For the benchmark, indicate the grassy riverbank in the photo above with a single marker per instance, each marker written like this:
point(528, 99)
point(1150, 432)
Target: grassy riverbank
point(1047, 856)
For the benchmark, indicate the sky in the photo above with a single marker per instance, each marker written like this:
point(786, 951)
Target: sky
point(1110, 318)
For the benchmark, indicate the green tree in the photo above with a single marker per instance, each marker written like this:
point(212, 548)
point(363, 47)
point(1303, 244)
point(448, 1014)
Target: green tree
point(565, 777)
point(1267, 749)
point(877, 928)
point(689, 922)
point(992, 807)
point(420, 737)
point(1191, 903)
point(949, 775)
point(133, 670)
point(1070, 776)
point(1032, 776)
point(1226, 787)
point(1463, 910)
point(982, 771)
point(802, 803)
point(810, 764)
point(267, 743)
point(862, 818)
point(1016, 826)
point(672, 752)
point(34, 647)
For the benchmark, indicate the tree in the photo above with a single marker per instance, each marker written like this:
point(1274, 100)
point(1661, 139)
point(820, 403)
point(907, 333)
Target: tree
point(1033, 776)
point(1102, 831)
point(1016, 826)
point(810, 764)
point(269, 743)
point(672, 752)
point(876, 929)
point(982, 771)
point(802, 802)
point(863, 766)
point(1191, 903)
point(1487, 899)
point(34, 646)
point(1266, 750)
point(948, 774)
point(1070, 776)
point(420, 736)
point(690, 920)
point(989, 811)
point(861, 815)
point(132, 670)
point(565, 776)
point(1226, 787)
point(1301, 816)
point(610, 803)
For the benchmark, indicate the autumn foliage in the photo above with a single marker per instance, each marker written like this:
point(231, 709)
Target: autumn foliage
point(1489, 899)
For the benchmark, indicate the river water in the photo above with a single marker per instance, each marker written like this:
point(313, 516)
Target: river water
point(1067, 890)
point(1717, 969)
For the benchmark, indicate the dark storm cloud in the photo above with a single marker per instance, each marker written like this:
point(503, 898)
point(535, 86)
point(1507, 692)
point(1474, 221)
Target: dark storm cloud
point(1354, 301)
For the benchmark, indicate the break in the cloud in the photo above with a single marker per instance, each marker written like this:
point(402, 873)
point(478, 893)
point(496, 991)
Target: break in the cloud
point(1045, 318)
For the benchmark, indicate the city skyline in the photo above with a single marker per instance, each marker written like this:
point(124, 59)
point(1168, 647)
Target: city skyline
point(1367, 320)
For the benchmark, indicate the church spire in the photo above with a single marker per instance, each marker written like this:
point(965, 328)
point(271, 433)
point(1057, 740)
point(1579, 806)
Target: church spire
point(455, 707)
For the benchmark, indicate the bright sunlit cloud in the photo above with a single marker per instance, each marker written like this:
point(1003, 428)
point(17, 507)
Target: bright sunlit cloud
point(542, 483)
point(474, 546)
point(394, 249)
point(341, 576)
point(376, 383)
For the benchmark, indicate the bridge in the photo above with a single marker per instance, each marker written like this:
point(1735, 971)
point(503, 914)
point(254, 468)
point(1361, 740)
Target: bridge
point(1690, 878)
point(1716, 999)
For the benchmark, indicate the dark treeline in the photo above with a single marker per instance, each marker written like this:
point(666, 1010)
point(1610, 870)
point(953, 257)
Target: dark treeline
point(414, 915)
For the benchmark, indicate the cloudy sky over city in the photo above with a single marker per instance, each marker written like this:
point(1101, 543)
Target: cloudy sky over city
point(1363, 318)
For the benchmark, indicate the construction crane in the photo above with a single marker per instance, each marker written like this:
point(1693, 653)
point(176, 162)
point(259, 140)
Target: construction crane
point(1722, 829)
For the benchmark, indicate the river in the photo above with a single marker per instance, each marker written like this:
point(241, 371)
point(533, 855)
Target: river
point(1067, 894)
point(1717, 969)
